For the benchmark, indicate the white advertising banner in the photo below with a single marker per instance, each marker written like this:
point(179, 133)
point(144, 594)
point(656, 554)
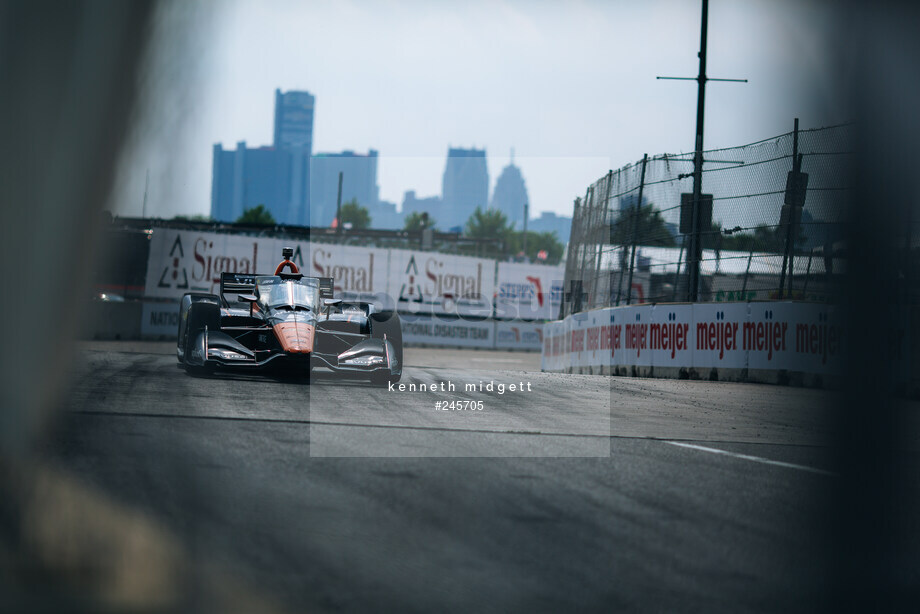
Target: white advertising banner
point(360, 273)
point(160, 319)
point(528, 291)
point(718, 335)
point(794, 337)
point(518, 335)
point(441, 284)
point(428, 330)
point(671, 336)
point(555, 356)
point(632, 327)
point(183, 261)
point(775, 336)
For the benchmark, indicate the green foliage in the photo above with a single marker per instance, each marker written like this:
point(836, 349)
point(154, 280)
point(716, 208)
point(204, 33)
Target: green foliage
point(492, 225)
point(536, 241)
point(257, 215)
point(356, 215)
point(650, 228)
point(769, 239)
point(418, 221)
point(488, 224)
point(193, 218)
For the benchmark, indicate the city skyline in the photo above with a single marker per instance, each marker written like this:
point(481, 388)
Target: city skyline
point(571, 88)
point(302, 188)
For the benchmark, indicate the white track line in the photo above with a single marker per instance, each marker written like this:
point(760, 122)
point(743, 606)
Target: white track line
point(756, 459)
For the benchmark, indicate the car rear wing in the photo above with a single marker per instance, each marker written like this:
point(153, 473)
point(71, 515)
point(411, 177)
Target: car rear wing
point(245, 283)
point(326, 287)
point(236, 283)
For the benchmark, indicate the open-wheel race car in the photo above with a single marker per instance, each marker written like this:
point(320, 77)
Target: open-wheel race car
point(287, 320)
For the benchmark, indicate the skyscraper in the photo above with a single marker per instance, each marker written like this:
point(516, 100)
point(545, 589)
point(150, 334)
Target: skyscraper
point(249, 177)
point(510, 195)
point(465, 186)
point(294, 120)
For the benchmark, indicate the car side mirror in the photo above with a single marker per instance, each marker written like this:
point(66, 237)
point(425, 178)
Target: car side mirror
point(248, 298)
point(330, 303)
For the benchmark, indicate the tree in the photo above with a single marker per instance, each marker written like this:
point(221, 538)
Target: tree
point(488, 224)
point(356, 215)
point(416, 221)
point(769, 239)
point(193, 218)
point(650, 228)
point(257, 215)
point(536, 241)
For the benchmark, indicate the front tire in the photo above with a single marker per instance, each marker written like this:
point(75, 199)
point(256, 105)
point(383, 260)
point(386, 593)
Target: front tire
point(382, 380)
point(386, 324)
point(201, 315)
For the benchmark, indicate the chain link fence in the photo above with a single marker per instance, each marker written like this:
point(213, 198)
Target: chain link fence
point(628, 244)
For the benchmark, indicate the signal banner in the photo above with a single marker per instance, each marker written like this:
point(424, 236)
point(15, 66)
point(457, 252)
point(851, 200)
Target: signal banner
point(183, 261)
point(427, 330)
point(360, 273)
point(518, 335)
point(441, 284)
point(528, 291)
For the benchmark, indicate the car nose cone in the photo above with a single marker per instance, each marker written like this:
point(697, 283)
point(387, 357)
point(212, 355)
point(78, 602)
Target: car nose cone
point(295, 337)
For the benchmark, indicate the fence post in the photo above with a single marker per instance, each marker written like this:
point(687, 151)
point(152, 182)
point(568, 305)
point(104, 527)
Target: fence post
point(637, 210)
point(789, 247)
point(680, 257)
point(747, 271)
point(622, 253)
point(807, 274)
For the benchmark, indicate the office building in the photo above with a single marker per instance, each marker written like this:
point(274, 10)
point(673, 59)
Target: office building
point(276, 176)
point(385, 217)
point(432, 205)
point(550, 222)
point(359, 182)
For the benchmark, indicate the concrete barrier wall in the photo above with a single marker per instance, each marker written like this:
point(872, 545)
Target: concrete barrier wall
point(775, 342)
point(112, 320)
point(160, 321)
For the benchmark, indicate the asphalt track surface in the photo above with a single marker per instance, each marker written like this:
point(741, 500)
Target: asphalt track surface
point(587, 492)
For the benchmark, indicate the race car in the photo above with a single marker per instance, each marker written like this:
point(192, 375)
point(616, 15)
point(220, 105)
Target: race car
point(287, 320)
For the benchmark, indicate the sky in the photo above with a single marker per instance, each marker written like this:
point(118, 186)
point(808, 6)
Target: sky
point(570, 87)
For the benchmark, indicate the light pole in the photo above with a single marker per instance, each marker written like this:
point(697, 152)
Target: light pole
point(338, 208)
point(694, 252)
point(525, 228)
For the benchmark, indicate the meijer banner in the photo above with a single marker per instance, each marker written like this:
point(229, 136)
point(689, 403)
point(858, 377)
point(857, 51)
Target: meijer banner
point(769, 337)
